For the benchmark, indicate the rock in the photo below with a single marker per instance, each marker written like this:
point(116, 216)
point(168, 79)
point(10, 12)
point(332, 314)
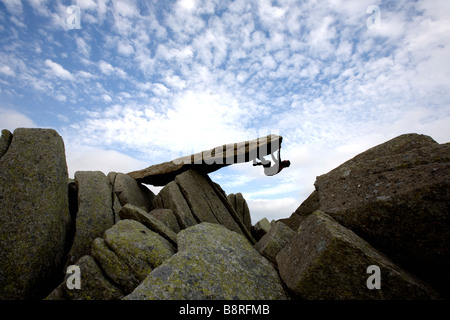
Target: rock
point(140, 248)
point(325, 260)
point(203, 201)
point(170, 197)
point(274, 240)
point(94, 214)
point(261, 228)
point(167, 217)
point(5, 141)
point(209, 161)
point(212, 263)
point(129, 191)
point(194, 198)
point(308, 206)
point(94, 285)
point(137, 214)
point(396, 196)
point(239, 204)
point(34, 213)
point(115, 268)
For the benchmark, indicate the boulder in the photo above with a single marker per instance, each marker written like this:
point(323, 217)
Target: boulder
point(307, 207)
point(274, 240)
point(261, 228)
point(114, 267)
point(94, 286)
point(212, 263)
point(239, 204)
point(325, 260)
point(194, 198)
point(170, 197)
point(129, 191)
point(140, 248)
point(34, 213)
point(5, 141)
point(167, 217)
point(209, 160)
point(94, 214)
point(397, 197)
point(137, 214)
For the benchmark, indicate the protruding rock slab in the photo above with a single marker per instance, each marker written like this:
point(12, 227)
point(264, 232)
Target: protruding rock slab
point(212, 263)
point(325, 260)
point(5, 141)
point(210, 160)
point(34, 213)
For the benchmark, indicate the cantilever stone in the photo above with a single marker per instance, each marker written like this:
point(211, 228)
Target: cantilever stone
point(209, 160)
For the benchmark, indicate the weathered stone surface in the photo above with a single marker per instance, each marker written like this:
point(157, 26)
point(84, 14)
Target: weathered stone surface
point(209, 161)
point(239, 204)
point(94, 286)
point(261, 228)
point(94, 212)
point(274, 240)
point(129, 191)
point(116, 269)
point(5, 141)
point(140, 248)
point(325, 260)
point(34, 213)
point(170, 197)
point(137, 214)
point(397, 196)
point(167, 217)
point(308, 206)
point(204, 201)
point(212, 263)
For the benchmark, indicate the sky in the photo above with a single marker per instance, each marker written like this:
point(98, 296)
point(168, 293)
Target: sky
point(129, 84)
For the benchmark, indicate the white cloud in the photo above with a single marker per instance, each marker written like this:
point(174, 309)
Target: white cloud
point(58, 71)
point(7, 71)
point(14, 6)
point(11, 120)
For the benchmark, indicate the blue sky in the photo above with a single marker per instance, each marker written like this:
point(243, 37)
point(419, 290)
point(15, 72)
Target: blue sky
point(143, 82)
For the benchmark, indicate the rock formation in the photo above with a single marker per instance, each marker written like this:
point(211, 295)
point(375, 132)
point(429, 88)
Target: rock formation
point(386, 211)
point(209, 160)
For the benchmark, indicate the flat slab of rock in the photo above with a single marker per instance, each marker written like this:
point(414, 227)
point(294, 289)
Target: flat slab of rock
point(210, 160)
point(212, 263)
point(34, 212)
point(325, 260)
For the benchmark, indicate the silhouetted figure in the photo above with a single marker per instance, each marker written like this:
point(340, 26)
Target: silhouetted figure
point(275, 169)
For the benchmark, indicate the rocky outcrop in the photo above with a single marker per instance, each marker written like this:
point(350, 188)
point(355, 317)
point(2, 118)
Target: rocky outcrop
point(274, 240)
point(194, 198)
point(327, 261)
point(239, 204)
point(209, 160)
point(94, 214)
point(34, 213)
point(395, 196)
point(212, 263)
point(384, 211)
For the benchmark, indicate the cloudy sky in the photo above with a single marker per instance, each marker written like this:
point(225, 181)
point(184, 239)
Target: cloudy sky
point(143, 82)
